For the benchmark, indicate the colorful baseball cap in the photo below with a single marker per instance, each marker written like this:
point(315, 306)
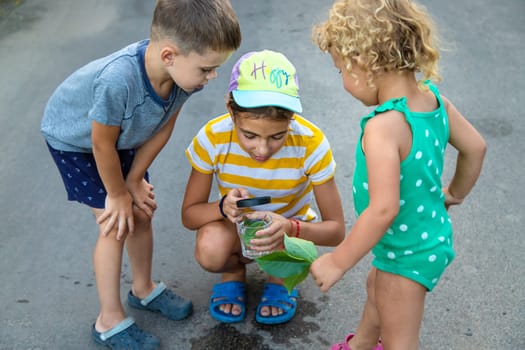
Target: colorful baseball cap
point(265, 78)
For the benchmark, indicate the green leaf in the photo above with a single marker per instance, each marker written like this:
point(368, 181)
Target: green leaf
point(291, 264)
point(282, 265)
point(300, 248)
point(292, 281)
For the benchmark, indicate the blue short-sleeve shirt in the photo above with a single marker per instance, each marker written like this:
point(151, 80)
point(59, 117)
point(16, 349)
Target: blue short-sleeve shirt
point(113, 90)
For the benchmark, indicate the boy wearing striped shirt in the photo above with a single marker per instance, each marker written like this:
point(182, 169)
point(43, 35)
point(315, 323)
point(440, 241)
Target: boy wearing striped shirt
point(261, 147)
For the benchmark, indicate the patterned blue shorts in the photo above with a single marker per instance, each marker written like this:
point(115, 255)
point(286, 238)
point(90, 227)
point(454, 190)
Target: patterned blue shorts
point(80, 175)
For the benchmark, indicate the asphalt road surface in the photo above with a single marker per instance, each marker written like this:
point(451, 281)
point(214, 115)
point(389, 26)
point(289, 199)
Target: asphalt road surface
point(47, 295)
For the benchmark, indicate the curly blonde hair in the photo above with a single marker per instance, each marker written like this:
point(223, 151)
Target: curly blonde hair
point(381, 36)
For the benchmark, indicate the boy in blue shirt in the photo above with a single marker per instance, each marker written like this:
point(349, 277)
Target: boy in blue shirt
point(104, 126)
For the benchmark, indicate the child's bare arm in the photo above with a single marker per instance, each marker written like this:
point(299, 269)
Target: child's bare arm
point(118, 207)
point(381, 143)
point(331, 230)
point(196, 210)
point(471, 149)
point(146, 154)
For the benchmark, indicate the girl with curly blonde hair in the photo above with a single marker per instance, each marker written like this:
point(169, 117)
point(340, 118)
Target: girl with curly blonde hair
point(387, 54)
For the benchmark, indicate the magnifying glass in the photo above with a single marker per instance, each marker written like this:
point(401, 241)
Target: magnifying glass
point(251, 202)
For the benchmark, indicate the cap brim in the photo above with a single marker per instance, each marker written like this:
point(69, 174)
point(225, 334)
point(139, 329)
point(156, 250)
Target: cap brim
point(253, 99)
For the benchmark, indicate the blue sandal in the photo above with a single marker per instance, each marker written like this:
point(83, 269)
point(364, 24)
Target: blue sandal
point(276, 295)
point(126, 336)
point(163, 301)
point(232, 292)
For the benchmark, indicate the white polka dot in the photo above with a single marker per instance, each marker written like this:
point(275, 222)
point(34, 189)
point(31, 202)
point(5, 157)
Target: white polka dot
point(433, 214)
point(401, 177)
point(353, 189)
point(419, 154)
point(444, 121)
point(427, 133)
point(437, 171)
point(420, 209)
point(436, 143)
point(402, 202)
point(390, 231)
point(446, 261)
point(442, 220)
point(391, 255)
point(424, 235)
point(403, 227)
point(408, 252)
point(441, 239)
point(415, 272)
point(419, 182)
point(433, 189)
point(432, 258)
point(429, 163)
point(434, 280)
point(365, 186)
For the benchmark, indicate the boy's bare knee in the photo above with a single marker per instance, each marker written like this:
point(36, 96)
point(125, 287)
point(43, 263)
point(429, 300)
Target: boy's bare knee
point(140, 217)
point(142, 221)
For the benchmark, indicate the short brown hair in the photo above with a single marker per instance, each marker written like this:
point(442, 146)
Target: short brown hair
point(196, 25)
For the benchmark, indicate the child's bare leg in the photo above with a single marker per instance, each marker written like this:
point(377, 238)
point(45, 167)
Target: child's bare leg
point(140, 252)
point(368, 330)
point(218, 250)
point(400, 305)
point(107, 259)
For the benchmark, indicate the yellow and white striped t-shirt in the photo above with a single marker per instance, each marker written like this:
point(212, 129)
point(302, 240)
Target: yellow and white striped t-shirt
point(288, 176)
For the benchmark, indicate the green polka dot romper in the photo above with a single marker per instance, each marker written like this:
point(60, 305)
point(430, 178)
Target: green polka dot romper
point(418, 245)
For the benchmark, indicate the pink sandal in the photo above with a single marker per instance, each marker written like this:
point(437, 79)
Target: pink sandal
point(344, 345)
